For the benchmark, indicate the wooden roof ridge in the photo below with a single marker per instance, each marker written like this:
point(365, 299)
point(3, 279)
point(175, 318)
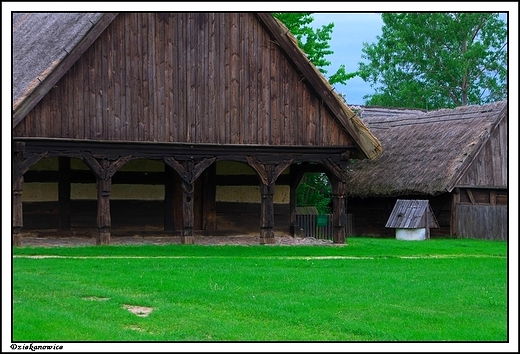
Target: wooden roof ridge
point(364, 139)
point(60, 61)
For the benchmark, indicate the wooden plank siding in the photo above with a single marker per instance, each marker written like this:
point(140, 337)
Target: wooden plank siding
point(491, 165)
point(185, 77)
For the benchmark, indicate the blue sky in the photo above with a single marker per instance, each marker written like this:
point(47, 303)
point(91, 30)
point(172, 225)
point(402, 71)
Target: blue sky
point(349, 33)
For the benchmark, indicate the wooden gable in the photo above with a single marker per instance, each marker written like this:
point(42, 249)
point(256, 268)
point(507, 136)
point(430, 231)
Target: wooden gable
point(216, 78)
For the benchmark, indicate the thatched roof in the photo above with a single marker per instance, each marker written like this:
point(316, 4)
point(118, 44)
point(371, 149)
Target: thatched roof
point(46, 45)
point(424, 153)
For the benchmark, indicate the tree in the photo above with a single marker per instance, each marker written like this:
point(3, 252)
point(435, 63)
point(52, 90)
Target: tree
point(437, 60)
point(314, 43)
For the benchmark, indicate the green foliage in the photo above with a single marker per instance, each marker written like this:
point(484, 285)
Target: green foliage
point(437, 60)
point(372, 290)
point(315, 190)
point(314, 42)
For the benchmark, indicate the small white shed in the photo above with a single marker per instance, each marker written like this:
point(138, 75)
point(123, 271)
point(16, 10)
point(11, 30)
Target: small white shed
point(412, 219)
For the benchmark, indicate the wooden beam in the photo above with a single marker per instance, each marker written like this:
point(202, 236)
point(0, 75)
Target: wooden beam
point(188, 197)
point(267, 214)
point(169, 199)
point(296, 175)
point(17, 211)
point(339, 208)
point(103, 211)
point(22, 165)
point(64, 193)
point(470, 196)
point(209, 204)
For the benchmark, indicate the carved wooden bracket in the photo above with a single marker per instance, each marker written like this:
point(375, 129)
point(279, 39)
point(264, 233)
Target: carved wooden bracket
point(336, 169)
point(101, 172)
point(268, 172)
point(21, 166)
point(189, 171)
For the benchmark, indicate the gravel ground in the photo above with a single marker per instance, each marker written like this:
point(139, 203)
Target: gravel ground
point(49, 241)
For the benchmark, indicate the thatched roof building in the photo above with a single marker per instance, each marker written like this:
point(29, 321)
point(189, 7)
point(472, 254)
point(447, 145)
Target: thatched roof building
point(456, 158)
point(429, 153)
point(101, 95)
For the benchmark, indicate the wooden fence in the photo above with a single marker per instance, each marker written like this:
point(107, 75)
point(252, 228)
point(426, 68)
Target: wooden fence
point(320, 226)
point(487, 222)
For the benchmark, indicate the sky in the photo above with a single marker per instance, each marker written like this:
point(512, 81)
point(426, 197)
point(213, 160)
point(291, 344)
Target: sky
point(350, 31)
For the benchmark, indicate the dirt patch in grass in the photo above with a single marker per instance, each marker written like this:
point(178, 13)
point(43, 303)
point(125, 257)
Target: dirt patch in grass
point(140, 311)
point(95, 298)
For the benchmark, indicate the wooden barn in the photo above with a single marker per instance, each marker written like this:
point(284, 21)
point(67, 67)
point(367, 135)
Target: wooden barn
point(455, 158)
point(176, 123)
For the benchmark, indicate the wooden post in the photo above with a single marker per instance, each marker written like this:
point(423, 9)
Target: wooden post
point(103, 170)
point(169, 199)
point(267, 214)
point(296, 175)
point(187, 213)
point(103, 212)
point(17, 194)
point(64, 193)
point(267, 174)
point(339, 207)
point(209, 204)
point(17, 211)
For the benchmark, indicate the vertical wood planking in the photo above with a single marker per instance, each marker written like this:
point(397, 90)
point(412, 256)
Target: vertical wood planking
point(274, 100)
point(116, 97)
point(220, 36)
point(200, 128)
point(168, 62)
point(210, 110)
point(235, 126)
point(144, 75)
point(245, 82)
point(252, 102)
point(173, 78)
point(182, 82)
point(160, 51)
point(266, 91)
point(191, 78)
point(100, 76)
point(154, 88)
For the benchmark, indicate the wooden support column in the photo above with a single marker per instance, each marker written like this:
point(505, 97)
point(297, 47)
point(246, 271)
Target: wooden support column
point(169, 199)
point(296, 176)
point(267, 173)
point(267, 213)
point(103, 169)
point(188, 171)
point(104, 186)
point(188, 197)
point(17, 211)
point(339, 208)
point(209, 204)
point(337, 176)
point(64, 193)
point(20, 166)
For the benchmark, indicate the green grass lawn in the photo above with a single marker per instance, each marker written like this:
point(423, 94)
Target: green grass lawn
point(370, 290)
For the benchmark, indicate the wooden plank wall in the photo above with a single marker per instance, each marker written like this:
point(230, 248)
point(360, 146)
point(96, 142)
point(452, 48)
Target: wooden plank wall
point(490, 168)
point(485, 222)
point(185, 77)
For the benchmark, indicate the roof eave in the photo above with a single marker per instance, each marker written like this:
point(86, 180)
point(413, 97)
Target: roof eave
point(24, 106)
point(367, 143)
